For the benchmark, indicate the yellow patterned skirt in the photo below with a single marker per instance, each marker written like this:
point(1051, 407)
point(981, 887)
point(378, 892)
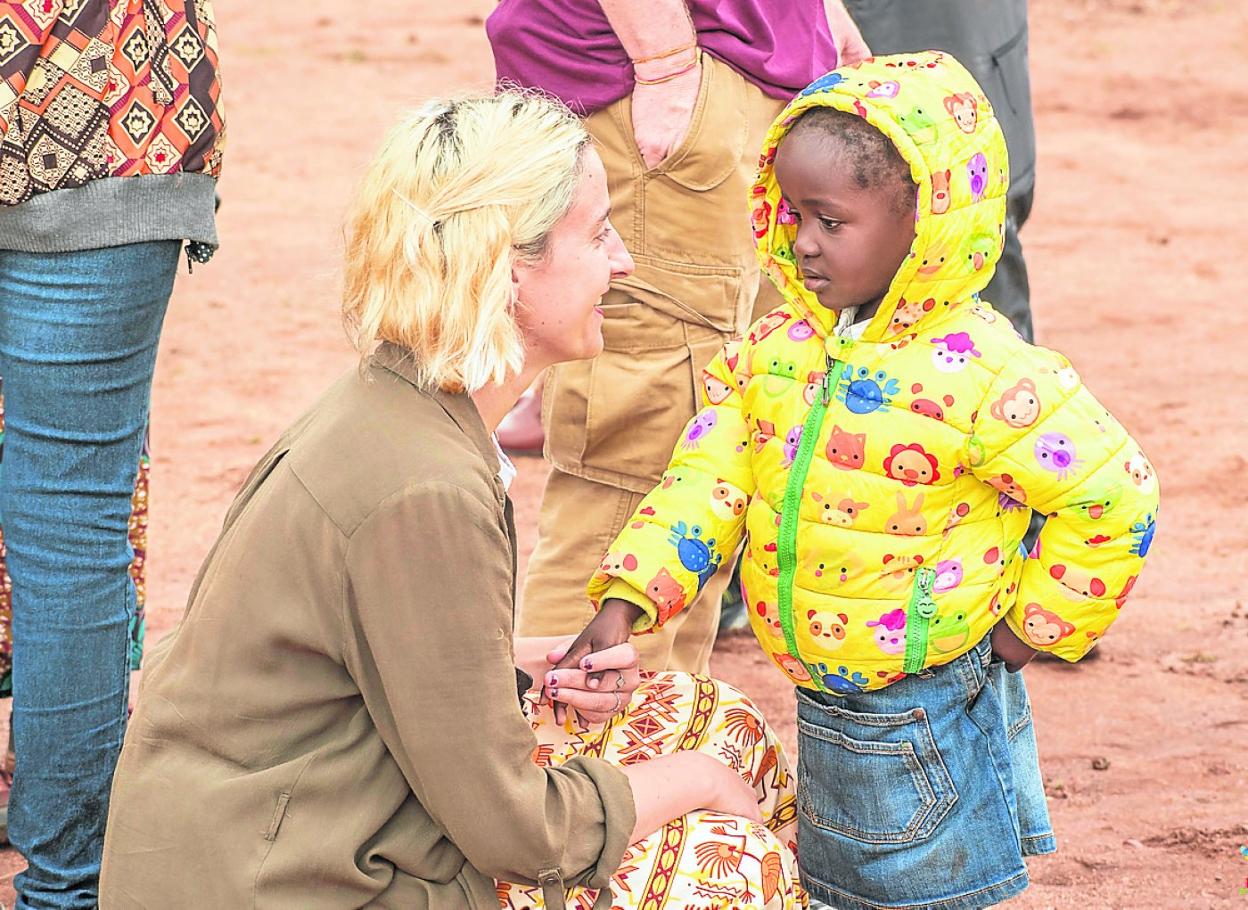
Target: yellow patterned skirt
point(703, 860)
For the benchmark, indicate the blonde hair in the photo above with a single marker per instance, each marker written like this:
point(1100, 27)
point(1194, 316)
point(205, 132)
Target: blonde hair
point(459, 192)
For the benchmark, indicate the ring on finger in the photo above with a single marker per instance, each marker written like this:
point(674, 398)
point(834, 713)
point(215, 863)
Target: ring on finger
point(619, 680)
point(619, 703)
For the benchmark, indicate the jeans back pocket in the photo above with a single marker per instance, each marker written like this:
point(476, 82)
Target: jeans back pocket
point(874, 778)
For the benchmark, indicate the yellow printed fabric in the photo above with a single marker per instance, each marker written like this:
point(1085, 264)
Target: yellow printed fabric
point(703, 859)
point(943, 429)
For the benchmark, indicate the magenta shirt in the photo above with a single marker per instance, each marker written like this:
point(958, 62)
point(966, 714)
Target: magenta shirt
point(567, 47)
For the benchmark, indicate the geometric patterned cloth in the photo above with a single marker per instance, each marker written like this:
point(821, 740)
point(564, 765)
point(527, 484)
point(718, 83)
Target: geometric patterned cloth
point(138, 572)
point(106, 88)
point(703, 860)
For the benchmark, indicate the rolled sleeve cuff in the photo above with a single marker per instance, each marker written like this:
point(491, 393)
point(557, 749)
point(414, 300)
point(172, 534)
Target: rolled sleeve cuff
point(620, 589)
point(619, 814)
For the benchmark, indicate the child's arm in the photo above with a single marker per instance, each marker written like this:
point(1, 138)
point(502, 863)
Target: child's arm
point(687, 527)
point(1046, 441)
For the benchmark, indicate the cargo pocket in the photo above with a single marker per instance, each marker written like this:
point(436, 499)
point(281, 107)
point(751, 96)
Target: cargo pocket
point(873, 778)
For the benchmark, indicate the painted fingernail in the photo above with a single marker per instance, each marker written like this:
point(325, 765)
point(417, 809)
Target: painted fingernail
point(554, 693)
point(552, 679)
point(587, 664)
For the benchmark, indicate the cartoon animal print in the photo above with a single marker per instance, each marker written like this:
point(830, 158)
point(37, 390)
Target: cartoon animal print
point(842, 681)
point(985, 313)
point(846, 450)
point(979, 248)
point(792, 667)
point(1077, 584)
point(1099, 501)
point(814, 385)
point(1142, 531)
point(770, 615)
point(785, 368)
point(695, 554)
point(1019, 405)
point(1044, 628)
point(908, 520)
point(760, 214)
point(616, 563)
point(827, 629)
point(909, 312)
point(977, 173)
point(701, 425)
point(666, 593)
point(792, 442)
point(890, 631)
point(953, 352)
point(864, 391)
point(801, 331)
point(1056, 452)
point(898, 571)
point(940, 191)
point(934, 261)
point(767, 325)
point(948, 575)
point(842, 568)
point(766, 433)
point(890, 89)
point(1142, 474)
point(1009, 487)
point(784, 214)
point(911, 464)
point(841, 513)
point(1126, 589)
point(823, 83)
point(948, 632)
point(920, 126)
point(727, 501)
point(717, 392)
point(1066, 375)
point(964, 110)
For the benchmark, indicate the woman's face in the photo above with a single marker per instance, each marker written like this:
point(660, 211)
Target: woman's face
point(557, 298)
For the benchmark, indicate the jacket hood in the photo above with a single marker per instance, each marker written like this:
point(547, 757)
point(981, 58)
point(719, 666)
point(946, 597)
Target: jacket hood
point(943, 125)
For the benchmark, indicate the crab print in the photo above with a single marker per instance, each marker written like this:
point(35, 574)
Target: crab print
point(864, 391)
point(695, 554)
point(1142, 531)
point(843, 681)
point(1056, 452)
point(702, 424)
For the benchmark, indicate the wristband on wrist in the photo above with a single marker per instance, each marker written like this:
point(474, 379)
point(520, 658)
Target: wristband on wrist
point(669, 77)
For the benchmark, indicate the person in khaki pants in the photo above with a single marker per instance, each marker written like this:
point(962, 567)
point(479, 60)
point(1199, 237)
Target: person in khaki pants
point(645, 68)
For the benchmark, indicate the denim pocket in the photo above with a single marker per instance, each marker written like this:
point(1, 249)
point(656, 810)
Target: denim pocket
point(875, 778)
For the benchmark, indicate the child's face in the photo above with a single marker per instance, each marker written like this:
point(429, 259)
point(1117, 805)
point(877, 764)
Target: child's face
point(850, 241)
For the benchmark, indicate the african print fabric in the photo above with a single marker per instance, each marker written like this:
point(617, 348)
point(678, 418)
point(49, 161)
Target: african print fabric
point(138, 572)
point(704, 860)
point(106, 88)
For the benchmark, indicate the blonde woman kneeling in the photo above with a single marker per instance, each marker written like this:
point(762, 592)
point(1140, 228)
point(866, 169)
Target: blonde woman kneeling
point(342, 719)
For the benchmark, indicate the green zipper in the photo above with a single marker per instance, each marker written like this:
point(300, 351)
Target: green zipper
point(918, 620)
point(786, 546)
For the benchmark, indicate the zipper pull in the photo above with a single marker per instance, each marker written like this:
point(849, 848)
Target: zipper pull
point(925, 604)
point(829, 365)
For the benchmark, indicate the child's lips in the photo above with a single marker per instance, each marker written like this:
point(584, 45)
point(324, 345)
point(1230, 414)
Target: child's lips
point(814, 281)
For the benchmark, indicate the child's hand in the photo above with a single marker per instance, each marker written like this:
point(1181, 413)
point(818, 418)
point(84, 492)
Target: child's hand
point(1012, 650)
point(612, 626)
point(599, 695)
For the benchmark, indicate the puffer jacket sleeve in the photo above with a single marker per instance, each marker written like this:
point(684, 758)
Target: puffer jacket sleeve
point(690, 525)
point(1041, 438)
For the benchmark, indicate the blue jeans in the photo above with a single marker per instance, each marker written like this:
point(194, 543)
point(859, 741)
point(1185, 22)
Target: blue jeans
point(925, 795)
point(78, 336)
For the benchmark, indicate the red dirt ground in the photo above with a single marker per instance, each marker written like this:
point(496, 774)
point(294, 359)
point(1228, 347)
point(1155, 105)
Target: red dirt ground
point(1137, 220)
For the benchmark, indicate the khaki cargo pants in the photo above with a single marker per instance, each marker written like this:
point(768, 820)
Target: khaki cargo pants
point(612, 422)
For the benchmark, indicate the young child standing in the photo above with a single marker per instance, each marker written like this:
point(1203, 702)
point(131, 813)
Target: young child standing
point(878, 442)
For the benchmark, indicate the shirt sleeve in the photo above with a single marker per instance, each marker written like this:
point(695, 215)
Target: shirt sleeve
point(1048, 443)
point(428, 617)
point(688, 526)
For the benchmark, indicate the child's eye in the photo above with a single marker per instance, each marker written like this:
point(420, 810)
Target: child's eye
point(829, 224)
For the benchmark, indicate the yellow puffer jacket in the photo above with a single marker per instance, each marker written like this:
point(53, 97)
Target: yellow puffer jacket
point(883, 485)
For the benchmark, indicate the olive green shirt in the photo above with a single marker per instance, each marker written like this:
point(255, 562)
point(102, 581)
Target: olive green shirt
point(335, 722)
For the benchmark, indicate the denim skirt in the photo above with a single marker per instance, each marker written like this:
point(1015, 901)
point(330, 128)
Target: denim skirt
point(925, 795)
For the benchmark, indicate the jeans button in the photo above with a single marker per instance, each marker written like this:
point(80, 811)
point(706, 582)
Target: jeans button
point(919, 714)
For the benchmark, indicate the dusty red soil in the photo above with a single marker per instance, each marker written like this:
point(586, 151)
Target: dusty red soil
point(1133, 247)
